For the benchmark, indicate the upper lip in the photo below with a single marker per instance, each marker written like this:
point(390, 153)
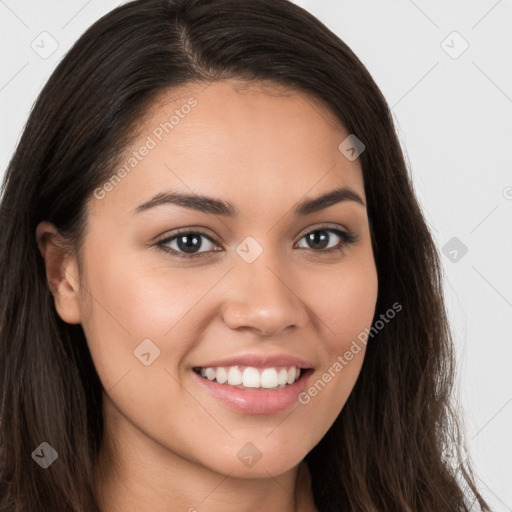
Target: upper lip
point(259, 360)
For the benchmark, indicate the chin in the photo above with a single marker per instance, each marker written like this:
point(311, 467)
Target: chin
point(249, 462)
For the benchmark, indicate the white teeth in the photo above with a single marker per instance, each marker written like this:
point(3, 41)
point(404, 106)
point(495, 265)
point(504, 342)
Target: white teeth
point(291, 376)
point(222, 375)
point(282, 377)
point(250, 377)
point(234, 376)
point(269, 378)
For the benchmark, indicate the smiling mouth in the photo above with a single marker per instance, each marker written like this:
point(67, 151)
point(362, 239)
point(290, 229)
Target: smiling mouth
point(252, 378)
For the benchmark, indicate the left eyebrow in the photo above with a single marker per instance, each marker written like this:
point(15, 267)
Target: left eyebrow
point(315, 204)
point(214, 206)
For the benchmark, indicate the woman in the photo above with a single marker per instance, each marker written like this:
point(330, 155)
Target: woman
point(218, 289)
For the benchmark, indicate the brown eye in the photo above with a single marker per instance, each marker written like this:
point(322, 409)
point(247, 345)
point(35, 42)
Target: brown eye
point(186, 244)
point(319, 239)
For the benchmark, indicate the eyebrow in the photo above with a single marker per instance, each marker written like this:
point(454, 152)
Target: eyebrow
point(214, 206)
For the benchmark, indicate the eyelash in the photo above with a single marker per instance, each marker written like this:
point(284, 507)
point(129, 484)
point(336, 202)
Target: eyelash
point(347, 238)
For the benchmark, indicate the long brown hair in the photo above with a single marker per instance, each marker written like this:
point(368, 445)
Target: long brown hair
point(389, 448)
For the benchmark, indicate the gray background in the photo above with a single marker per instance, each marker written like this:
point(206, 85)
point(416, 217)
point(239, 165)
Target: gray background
point(453, 112)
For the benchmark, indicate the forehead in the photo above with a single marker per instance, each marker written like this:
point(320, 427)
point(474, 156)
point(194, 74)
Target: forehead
point(260, 143)
point(239, 112)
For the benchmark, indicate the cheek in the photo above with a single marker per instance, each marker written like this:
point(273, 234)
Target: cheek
point(345, 306)
point(143, 299)
point(132, 301)
point(344, 300)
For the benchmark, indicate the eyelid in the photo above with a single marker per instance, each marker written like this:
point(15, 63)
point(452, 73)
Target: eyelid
point(166, 238)
point(324, 225)
point(201, 231)
point(347, 236)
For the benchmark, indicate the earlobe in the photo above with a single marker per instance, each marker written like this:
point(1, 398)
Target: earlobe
point(61, 272)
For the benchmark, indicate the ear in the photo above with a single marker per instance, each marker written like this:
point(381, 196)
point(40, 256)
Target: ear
point(61, 272)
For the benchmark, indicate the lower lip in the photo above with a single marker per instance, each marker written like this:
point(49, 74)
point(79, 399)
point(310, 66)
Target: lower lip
point(256, 401)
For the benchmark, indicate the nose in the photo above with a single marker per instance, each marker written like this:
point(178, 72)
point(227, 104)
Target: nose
point(262, 297)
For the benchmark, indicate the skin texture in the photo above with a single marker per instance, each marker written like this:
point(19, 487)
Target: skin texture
point(169, 445)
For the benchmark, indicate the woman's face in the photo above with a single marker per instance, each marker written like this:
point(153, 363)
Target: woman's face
point(260, 293)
